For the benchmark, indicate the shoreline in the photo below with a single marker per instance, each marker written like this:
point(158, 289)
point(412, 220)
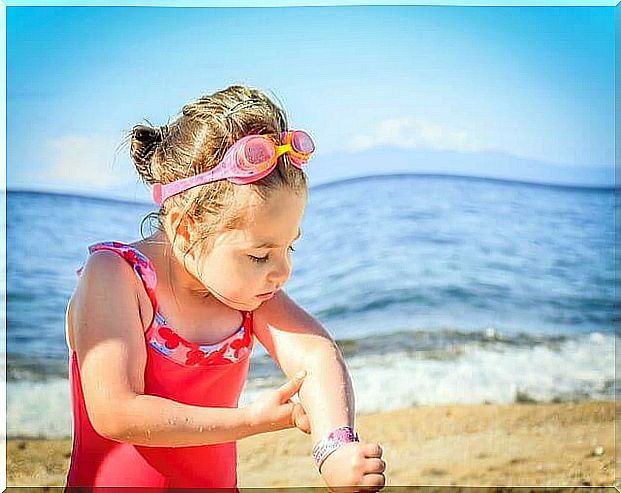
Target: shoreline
point(519, 444)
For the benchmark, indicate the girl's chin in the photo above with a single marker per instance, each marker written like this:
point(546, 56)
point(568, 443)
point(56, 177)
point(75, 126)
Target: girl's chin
point(249, 305)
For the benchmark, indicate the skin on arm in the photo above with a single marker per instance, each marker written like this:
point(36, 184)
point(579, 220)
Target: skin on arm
point(296, 341)
point(109, 342)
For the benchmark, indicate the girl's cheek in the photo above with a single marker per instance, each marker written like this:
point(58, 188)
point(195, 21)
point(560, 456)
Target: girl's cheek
point(242, 278)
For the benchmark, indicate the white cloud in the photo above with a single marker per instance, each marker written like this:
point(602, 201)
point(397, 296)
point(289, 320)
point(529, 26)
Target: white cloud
point(409, 133)
point(85, 160)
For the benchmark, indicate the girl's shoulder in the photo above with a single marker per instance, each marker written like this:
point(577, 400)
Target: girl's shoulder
point(100, 263)
point(113, 261)
point(127, 251)
point(105, 297)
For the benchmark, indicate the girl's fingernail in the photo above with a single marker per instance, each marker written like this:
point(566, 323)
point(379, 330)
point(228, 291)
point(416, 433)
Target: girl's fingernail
point(300, 374)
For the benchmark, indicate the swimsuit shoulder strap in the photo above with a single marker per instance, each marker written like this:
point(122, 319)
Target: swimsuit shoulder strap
point(141, 265)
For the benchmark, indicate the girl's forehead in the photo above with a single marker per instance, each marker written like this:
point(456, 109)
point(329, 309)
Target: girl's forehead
point(252, 237)
point(273, 221)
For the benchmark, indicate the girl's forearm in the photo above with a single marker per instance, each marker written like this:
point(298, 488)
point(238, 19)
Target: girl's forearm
point(327, 393)
point(159, 422)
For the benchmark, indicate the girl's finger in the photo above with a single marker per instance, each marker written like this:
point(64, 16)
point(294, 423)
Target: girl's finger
point(373, 450)
point(303, 423)
point(291, 386)
point(374, 466)
point(372, 482)
point(300, 418)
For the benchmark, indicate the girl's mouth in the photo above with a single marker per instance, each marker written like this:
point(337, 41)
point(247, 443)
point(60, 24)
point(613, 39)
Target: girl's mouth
point(266, 295)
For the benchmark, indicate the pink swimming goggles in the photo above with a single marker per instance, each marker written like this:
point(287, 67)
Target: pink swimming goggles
point(248, 160)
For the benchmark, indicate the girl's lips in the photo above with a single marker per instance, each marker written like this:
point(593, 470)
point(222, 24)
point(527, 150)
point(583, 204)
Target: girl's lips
point(266, 295)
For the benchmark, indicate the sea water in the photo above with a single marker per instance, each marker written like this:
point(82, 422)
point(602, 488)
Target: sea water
point(437, 289)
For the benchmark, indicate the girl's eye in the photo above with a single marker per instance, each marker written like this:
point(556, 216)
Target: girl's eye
point(259, 260)
point(262, 260)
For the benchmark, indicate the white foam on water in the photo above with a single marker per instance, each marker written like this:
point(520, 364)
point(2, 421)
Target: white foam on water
point(494, 373)
point(39, 408)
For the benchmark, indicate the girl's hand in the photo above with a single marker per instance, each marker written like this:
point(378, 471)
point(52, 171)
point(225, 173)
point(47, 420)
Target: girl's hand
point(355, 467)
point(300, 418)
point(274, 410)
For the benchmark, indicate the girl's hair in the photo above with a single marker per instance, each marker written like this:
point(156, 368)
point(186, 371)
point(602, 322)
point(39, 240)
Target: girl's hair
point(196, 142)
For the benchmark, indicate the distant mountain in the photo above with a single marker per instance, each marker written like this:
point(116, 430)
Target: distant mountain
point(386, 160)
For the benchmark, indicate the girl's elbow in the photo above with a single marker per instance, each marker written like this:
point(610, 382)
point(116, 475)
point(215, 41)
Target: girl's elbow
point(109, 427)
point(110, 423)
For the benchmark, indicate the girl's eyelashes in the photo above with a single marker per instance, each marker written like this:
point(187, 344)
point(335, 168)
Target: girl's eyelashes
point(262, 260)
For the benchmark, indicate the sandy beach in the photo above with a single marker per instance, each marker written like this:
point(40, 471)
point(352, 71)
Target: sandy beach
point(522, 444)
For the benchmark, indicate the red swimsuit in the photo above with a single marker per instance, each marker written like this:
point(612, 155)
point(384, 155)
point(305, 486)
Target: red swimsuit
point(199, 375)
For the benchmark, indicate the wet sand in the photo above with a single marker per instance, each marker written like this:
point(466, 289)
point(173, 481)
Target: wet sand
point(522, 444)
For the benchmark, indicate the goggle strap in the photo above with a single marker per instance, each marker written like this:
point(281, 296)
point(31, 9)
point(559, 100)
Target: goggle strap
point(170, 189)
point(280, 150)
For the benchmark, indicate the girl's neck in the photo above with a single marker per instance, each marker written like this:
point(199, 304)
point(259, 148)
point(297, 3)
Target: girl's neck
point(171, 271)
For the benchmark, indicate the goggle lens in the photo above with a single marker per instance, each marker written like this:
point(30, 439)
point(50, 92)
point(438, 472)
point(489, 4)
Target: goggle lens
point(257, 153)
point(302, 142)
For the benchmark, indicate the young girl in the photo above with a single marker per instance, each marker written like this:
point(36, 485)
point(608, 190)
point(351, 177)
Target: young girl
point(160, 331)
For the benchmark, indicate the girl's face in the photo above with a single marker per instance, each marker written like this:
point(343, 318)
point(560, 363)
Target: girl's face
point(245, 264)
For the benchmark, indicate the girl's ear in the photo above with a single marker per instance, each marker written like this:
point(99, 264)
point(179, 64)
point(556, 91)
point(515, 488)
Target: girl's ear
point(183, 227)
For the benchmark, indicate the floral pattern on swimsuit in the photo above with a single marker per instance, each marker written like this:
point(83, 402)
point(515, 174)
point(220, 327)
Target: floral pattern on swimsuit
point(161, 337)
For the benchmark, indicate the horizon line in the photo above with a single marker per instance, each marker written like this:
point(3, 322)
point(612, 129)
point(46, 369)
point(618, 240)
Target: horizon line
point(342, 181)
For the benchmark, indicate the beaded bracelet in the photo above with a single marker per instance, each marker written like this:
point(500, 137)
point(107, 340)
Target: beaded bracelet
point(338, 437)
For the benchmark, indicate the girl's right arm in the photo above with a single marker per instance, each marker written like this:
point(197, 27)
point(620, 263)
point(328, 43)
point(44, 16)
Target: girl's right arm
point(108, 338)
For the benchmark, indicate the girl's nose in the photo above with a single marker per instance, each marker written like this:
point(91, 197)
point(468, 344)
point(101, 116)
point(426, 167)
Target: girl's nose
point(280, 273)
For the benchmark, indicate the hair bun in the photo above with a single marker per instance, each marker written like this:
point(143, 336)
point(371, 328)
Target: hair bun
point(144, 142)
point(146, 134)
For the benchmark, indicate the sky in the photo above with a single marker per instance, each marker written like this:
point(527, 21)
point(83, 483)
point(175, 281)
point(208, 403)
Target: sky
point(535, 83)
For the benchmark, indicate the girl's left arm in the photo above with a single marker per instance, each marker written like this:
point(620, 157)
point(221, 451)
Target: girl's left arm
point(296, 341)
